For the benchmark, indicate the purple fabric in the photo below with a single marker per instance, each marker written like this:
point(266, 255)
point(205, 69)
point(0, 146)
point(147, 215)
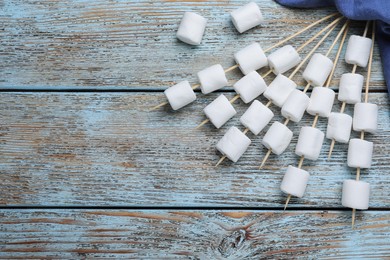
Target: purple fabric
point(360, 10)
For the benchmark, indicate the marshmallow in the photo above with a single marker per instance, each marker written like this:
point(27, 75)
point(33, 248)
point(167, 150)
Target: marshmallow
point(295, 105)
point(191, 28)
point(256, 117)
point(277, 138)
point(279, 90)
point(250, 86)
point(283, 59)
point(356, 194)
point(233, 144)
point(309, 143)
point(358, 50)
point(251, 58)
point(318, 70)
point(246, 17)
point(180, 95)
point(365, 117)
point(212, 79)
point(350, 88)
point(321, 102)
point(360, 153)
point(295, 181)
point(219, 111)
point(339, 127)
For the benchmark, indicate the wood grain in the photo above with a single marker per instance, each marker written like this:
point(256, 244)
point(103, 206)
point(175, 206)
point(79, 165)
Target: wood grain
point(107, 149)
point(80, 234)
point(115, 44)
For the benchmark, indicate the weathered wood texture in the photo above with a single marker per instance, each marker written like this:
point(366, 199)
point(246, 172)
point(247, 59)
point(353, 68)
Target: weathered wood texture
point(132, 44)
point(193, 235)
point(104, 149)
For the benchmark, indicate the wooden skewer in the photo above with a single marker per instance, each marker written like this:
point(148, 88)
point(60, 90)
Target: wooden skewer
point(287, 201)
point(224, 157)
point(315, 121)
point(231, 68)
point(331, 148)
point(307, 87)
point(268, 103)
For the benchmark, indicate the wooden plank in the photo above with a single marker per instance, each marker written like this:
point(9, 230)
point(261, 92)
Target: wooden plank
point(107, 149)
point(192, 234)
point(114, 44)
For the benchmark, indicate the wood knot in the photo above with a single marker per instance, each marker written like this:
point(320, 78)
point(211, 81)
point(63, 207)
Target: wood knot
point(232, 242)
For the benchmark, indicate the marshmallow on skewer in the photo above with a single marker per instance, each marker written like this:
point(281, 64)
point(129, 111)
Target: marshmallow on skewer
point(256, 117)
point(360, 153)
point(246, 17)
point(283, 59)
point(250, 86)
point(219, 111)
point(295, 105)
point(277, 138)
point(358, 50)
point(191, 28)
point(279, 90)
point(295, 181)
point(365, 117)
point(309, 143)
point(251, 58)
point(350, 88)
point(180, 95)
point(317, 70)
point(339, 127)
point(233, 144)
point(212, 79)
point(321, 102)
point(356, 194)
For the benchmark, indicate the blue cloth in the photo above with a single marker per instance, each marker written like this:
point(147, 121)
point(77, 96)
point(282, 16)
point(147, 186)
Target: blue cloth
point(378, 10)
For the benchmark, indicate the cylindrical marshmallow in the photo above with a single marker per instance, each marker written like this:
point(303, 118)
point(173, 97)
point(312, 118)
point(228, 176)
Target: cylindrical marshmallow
point(219, 111)
point(251, 58)
point(212, 79)
point(256, 117)
point(358, 50)
point(250, 86)
point(283, 59)
point(247, 17)
point(180, 95)
point(321, 102)
point(277, 138)
point(318, 70)
point(365, 117)
point(350, 88)
point(356, 194)
point(309, 143)
point(191, 28)
point(360, 153)
point(279, 90)
point(339, 127)
point(295, 181)
point(233, 144)
point(295, 105)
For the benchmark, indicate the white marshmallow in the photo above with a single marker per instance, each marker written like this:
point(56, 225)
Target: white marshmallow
point(191, 28)
point(279, 90)
point(246, 17)
point(360, 153)
point(350, 88)
point(321, 102)
point(356, 194)
point(283, 59)
point(295, 181)
point(256, 117)
point(339, 127)
point(180, 95)
point(219, 111)
point(277, 138)
point(251, 58)
point(317, 70)
point(233, 144)
point(295, 105)
point(250, 86)
point(365, 117)
point(309, 143)
point(212, 79)
point(358, 50)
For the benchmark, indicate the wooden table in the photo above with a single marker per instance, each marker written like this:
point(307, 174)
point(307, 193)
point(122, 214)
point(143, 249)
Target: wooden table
point(87, 171)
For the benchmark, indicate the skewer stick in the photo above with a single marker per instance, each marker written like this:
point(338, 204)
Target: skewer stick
point(268, 103)
point(265, 158)
point(234, 99)
point(203, 123)
point(231, 68)
point(246, 131)
point(287, 201)
point(158, 106)
point(195, 86)
point(306, 88)
point(315, 121)
point(342, 107)
point(331, 148)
